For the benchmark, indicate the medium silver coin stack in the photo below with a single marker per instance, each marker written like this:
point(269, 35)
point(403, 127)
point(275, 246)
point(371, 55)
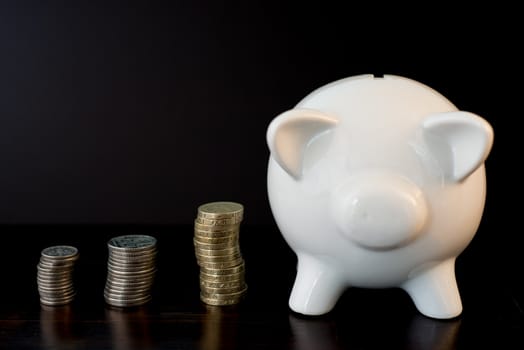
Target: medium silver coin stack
point(131, 270)
point(55, 275)
point(217, 250)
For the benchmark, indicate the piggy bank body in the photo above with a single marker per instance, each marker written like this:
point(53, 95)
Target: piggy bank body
point(377, 183)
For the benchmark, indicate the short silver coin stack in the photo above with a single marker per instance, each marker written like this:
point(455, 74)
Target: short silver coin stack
point(55, 275)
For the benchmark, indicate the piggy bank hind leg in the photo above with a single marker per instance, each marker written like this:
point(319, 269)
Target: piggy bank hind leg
point(317, 287)
point(434, 291)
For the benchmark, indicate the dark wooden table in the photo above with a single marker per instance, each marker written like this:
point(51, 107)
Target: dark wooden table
point(176, 319)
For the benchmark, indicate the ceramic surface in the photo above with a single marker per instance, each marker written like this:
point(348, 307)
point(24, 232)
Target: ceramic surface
point(377, 183)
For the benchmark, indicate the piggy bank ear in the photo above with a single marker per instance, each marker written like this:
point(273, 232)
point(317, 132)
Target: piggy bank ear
point(460, 141)
point(290, 133)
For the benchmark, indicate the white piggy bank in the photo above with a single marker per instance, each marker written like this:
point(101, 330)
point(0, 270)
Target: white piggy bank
point(377, 183)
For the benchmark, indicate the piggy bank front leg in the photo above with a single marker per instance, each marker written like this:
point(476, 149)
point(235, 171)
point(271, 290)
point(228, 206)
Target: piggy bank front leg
point(434, 290)
point(317, 287)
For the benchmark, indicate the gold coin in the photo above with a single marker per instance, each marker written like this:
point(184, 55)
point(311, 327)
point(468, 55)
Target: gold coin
point(217, 222)
point(224, 285)
point(233, 239)
point(218, 210)
point(222, 296)
point(218, 231)
point(214, 246)
point(221, 278)
point(224, 271)
point(220, 302)
point(220, 265)
point(217, 293)
point(218, 259)
point(217, 252)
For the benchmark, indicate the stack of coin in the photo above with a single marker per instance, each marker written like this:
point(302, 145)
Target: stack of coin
point(130, 270)
point(55, 275)
point(217, 251)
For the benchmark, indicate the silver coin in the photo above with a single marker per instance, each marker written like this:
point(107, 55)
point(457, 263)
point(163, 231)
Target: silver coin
point(129, 272)
point(55, 291)
point(56, 267)
point(58, 302)
point(132, 274)
point(53, 282)
point(127, 302)
point(130, 277)
point(130, 268)
point(133, 254)
point(132, 260)
point(56, 294)
point(51, 269)
point(54, 274)
point(59, 252)
point(129, 283)
point(58, 262)
point(127, 288)
point(138, 266)
point(51, 277)
point(132, 242)
point(130, 289)
point(125, 296)
point(55, 286)
point(128, 295)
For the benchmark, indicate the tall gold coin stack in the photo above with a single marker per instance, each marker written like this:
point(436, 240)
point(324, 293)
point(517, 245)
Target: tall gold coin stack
point(130, 270)
point(55, 275)
point(217, 250)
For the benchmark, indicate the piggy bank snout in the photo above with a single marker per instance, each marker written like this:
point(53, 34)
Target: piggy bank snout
point(380, 212)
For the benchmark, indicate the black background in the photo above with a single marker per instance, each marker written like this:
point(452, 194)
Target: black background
point(126, 116)
point(136, 112)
